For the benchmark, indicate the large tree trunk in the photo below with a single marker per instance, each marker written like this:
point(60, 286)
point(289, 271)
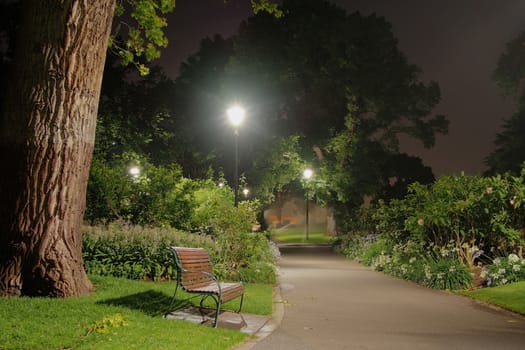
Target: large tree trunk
point(46, 142)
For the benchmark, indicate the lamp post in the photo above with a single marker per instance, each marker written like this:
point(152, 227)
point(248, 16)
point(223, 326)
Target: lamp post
point(307, 174)
point(236, 117)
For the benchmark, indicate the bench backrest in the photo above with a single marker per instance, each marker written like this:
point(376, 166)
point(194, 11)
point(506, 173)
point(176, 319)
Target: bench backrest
point(191, 263)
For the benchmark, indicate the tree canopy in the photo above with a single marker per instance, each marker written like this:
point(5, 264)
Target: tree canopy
point(509, 153)
point(338, 81)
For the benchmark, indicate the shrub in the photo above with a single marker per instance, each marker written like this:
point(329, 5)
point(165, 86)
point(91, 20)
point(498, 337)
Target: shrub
point(429, 269)
point(211, 201)
point(372, 249)
point(477, 211)
point(439, 234)
point(350, 245)
point(505, 270)
point(431, 266)
point(445, 273)
point(157, 196)
point(137, 252)
point(160, 196)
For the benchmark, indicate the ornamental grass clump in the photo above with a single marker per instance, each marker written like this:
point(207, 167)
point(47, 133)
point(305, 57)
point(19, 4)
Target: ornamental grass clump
point(446, 273)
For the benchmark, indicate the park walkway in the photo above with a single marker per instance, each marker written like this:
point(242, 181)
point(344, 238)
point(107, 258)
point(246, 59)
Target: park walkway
point(333, 303)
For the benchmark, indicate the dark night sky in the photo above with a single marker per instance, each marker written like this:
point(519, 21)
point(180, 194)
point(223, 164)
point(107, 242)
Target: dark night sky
point(456, 43)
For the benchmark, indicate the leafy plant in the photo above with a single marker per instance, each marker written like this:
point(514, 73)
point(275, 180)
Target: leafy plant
point(505, 270)
point(439, 235)
point(469, 211)
point(155, 195)
point(107, 323)
point(446, 273)
point(136, 252)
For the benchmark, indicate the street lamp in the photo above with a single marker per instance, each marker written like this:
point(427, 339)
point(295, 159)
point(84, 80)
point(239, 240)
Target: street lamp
point(307, 174)
point(236, 117)
point(246, 192)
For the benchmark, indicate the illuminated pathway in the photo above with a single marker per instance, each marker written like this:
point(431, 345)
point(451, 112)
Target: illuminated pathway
point(333, 303)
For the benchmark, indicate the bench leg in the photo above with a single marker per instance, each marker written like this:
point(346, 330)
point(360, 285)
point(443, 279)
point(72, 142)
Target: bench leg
point(218, 308)
point(173, 299)
point(240, 304)
point(218, 301)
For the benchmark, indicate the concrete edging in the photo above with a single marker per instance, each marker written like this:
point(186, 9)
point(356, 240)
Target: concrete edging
point(271, 325)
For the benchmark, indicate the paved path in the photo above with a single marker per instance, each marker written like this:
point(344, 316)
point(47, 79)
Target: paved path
point(333, 303)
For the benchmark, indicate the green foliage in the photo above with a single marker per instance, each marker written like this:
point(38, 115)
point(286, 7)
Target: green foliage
point(446, 273)
point(357, 164)
point(145, 34)
point(211, 201)
point(156, 196)
point(338, 80)
point(135, 252)
point(440, 234)
point(505, 270)
point(250, 253)
point(107, 323)
point(411, 261)
point(267, 6)
point(373, 254)
point(464, 210)
point(349, 245)
point(274, 171)
point(138, 115)
point(238, 247)
point(468, 209)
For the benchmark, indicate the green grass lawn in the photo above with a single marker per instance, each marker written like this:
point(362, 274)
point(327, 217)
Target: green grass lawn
point(121, 314)
point(297, 234)
point(510, 296)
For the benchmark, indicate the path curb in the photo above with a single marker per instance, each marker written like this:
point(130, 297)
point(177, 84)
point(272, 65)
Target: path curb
point(270, 326)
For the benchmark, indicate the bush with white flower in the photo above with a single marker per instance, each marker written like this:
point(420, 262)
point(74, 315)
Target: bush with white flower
point(445, 235)
point(505, 270)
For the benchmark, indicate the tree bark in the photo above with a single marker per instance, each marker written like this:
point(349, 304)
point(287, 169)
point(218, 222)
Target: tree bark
point(46, 142)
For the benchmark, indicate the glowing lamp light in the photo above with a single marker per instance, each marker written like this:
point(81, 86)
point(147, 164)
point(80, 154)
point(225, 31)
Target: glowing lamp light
point(134, 171)
point(307, 173)
point(236, 115)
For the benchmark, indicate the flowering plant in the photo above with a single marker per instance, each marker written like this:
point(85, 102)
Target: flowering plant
point(505, 270)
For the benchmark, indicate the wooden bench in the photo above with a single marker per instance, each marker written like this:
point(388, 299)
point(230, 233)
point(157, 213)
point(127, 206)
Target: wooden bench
point(195, 275)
